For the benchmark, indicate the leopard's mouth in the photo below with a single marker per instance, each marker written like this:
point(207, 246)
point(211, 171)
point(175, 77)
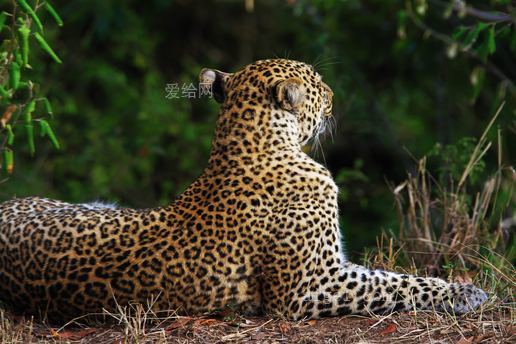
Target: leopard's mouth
point(325, 126)
point(327, 100)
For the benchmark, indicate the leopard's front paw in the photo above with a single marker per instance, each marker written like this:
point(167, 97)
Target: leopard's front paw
point(465, 298)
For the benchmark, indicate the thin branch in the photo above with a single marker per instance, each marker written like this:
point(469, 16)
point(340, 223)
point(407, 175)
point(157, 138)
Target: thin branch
point(493, 17)
point(461, 7)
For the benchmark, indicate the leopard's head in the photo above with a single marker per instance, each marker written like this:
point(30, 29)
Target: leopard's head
point(298, 100)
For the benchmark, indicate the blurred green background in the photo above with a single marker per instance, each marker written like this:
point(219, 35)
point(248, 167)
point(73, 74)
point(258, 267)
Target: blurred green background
point(400, 88)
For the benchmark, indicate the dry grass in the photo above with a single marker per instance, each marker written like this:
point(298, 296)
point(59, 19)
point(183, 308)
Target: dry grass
point(494, 323)
point(441, 223)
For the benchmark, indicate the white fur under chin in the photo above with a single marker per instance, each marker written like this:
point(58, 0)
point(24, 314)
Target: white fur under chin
point(99, 205)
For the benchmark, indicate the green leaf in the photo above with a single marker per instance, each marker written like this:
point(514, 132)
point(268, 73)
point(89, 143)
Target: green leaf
point(476, 78)
point(18, 57)
point(42, 128)
point(24, 32)
point(48, 106)
point(4, 93)
point(53, 13)
point(27, 112)
point(461, 30)
point(8, 160)
point(491, 42)
point(14, 75)
point(23, 84)
point(10, 134)
point(482, 51)
point(46, 130)
point(3, 17)
point(29, 129)
point(473, 34)
point(44, 45)
point(27, 9)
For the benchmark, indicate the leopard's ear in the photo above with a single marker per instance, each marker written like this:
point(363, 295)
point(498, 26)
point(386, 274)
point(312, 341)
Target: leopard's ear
point(216, 81)
point(290, 94)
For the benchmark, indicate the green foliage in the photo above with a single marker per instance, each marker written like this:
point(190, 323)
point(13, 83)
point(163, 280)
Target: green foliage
point(453, 159)
point(44, 45)
point(20, 95)
point(53, 13)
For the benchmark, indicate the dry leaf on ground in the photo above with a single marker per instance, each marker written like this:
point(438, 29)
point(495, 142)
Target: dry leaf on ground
point(179, 323)
point(76, 335)
point(391, 328)
point(468, 340)
point(284, 327)
point(205, 322)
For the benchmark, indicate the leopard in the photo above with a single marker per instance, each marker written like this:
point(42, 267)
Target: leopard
point(257, 231)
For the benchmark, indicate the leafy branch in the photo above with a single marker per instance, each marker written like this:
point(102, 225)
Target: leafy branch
point(20, 96)
point(478, 41)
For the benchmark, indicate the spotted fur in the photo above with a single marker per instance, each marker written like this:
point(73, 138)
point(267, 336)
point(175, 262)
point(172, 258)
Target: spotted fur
point(258, 229)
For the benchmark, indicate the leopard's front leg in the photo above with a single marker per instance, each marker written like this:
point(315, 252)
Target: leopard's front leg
point(306, 276)
point(357, 290)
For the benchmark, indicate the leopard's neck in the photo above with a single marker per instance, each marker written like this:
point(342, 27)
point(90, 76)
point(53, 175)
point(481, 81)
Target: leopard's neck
point(246, 131)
